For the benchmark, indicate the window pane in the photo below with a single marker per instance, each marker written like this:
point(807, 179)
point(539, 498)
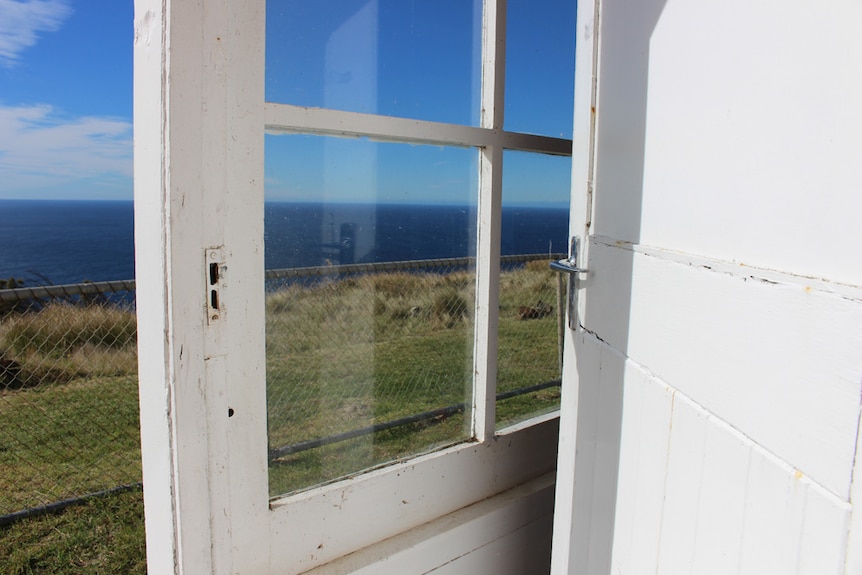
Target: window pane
point(367, 361)
point(540, 67)
point(535, 221)
point(418, 59)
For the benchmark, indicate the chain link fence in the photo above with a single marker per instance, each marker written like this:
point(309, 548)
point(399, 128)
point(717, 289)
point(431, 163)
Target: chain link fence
point(352, 351)
point(68, 392)
point(386, 350)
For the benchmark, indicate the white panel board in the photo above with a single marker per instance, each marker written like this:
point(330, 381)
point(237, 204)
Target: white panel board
point(320, 525)
point(721, 505)
point(506, 534)
point(854, 545)
point(754, 133)
point(778, 360)
point(586, 483)
point(697, 496)
point(644, 443)
point(774, 514)
point(682, 492)
point(726, 269)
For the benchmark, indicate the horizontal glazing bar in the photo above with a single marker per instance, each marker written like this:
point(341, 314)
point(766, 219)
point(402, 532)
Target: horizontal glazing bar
point(287, 119)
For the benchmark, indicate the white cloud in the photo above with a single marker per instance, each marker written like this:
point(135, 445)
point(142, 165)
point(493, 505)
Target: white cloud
point(39, 147)
point(21, 21)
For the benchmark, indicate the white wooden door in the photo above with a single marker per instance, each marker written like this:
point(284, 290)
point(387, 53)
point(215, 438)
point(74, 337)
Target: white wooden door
point(216, 499)
point(711, 387)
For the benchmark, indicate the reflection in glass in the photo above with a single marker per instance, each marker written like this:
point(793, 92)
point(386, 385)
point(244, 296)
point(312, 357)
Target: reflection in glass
point(540, 67)
point(368, 361)
point(535, 221)
point(418, 59)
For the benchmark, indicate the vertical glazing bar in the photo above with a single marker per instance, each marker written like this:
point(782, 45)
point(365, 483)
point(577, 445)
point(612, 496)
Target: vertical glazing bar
point(489, 214)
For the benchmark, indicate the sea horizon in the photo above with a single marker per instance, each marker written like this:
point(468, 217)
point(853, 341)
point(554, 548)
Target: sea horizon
point(57, 242)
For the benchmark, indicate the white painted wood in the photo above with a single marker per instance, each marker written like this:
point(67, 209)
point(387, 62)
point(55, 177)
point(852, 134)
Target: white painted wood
point(318, 526)
point(567, 540)
point(156, 404)
point(731, 507)
point(173, 415)
point(200, 120)
point(232, 177)
point(721, 506)
point(774, 516)
point(285, 118)
point(776, 378)
point(724, 260)
point(490, 219)
point(823, 539)
point(571, 528)
point(697, 496)
point(508, 533)
point(854, 539)
point(772, 91)
point(646, 428)
point(199, 109)
point(591, 492)
point(684, 470)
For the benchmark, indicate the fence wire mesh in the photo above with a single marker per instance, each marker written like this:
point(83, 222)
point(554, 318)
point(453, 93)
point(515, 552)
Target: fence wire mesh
point(68, 392)
point(355, 350)
point(352, 350)
point(529, 342)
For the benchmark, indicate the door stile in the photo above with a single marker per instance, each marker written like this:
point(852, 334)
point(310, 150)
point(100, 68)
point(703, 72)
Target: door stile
point(571, 522)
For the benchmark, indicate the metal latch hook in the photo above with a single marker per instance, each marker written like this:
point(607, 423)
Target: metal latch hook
point(570, 266)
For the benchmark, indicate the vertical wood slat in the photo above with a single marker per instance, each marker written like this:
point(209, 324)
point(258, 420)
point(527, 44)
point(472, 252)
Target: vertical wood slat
point(489, 214)
point(697, 496)
point(150, 255)
point(568, 527)
point(198, 144)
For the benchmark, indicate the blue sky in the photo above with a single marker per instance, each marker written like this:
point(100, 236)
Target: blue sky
point(66, 95)
point(66, 99)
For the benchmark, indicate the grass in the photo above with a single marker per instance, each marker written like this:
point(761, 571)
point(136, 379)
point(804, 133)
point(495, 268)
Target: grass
point(69, 426)
point(103, 536)
point(341, 355)
point(64, 342)
point(62, 441)
point(386, 346)
point(392, 345)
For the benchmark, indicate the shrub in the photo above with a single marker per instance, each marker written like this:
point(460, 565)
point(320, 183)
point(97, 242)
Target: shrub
point(536, 266)
point(58, 330)
point(459, 279)
point(392, 285)
point(449, 306)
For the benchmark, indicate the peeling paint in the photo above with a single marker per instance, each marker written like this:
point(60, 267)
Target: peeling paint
point(144, 28)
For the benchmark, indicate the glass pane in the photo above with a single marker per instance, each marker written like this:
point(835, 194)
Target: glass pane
point(368, 361)
point(540, 67)
point(535, 225)
point(418, 59)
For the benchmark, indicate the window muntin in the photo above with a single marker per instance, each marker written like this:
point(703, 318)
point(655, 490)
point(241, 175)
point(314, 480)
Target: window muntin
point(366, 363)
point(407, 59)
point(540, 71)
point(487, 181)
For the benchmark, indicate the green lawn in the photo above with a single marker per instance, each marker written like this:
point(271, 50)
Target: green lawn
point(105, 536)
point(341, 355)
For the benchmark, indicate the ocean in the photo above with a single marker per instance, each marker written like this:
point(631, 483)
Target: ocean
point(62, 242)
